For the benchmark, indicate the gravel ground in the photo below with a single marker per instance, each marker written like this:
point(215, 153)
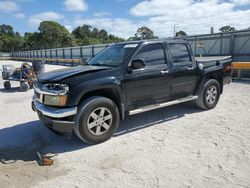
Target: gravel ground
point(177, 146)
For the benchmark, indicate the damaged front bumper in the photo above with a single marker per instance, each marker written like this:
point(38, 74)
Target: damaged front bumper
point(57, 119)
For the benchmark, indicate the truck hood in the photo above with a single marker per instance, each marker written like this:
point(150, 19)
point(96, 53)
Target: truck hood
point(60, 74)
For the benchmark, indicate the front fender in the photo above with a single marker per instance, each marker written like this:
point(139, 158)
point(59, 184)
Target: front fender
point(86, 87)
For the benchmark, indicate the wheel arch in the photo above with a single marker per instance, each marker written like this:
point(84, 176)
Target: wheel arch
point(216, 76)
point(112, 93)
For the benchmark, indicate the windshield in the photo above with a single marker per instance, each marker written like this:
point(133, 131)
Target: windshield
point(113, 55)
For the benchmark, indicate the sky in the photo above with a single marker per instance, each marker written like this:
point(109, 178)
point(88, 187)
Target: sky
point(123, 17)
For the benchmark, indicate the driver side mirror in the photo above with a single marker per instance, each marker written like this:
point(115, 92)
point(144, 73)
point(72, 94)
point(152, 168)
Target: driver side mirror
point(137, 64)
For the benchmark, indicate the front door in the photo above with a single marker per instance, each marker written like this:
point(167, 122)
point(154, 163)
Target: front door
point(147, 85)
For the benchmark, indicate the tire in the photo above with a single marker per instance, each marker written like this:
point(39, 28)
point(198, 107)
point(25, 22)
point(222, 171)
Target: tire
point(24, 86)
point(97, 120)
point(208, 94)
point(7, 85)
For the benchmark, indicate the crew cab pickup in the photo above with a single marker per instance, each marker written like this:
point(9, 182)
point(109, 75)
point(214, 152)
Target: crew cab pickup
point(126, 79)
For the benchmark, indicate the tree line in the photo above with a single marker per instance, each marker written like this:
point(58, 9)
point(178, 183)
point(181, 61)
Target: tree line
point(51, 34)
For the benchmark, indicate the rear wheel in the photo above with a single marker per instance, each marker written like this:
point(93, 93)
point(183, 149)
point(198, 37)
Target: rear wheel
point(7, 85)
point(209, 94)
point(97, 120)
point(24, 86)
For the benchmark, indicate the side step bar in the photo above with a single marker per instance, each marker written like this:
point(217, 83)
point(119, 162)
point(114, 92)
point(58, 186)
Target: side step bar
point(161, 105)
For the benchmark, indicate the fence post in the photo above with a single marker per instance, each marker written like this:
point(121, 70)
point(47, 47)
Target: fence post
point(56, 57)
point(81, 52)
point(63, 53)
point(195, 45)
point(50, 51)
point(239, 74)
point(71, 54)
point(93, 51)
point(221, 38)
point(232, 43)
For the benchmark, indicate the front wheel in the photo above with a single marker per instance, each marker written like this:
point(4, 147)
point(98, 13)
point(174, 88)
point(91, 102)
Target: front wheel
point(97, 120)
point(7, 85)
point(209, 94)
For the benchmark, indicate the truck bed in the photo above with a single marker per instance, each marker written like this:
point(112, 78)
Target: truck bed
point(214, 60)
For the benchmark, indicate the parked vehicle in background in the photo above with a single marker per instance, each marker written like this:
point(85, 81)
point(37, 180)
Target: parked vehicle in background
point(127, 79)
point(25, 75)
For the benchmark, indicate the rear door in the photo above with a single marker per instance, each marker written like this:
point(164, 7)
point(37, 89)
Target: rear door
point(147, 85)
point(184, 70)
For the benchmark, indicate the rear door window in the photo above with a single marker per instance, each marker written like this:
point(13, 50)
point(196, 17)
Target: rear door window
point(180, 54)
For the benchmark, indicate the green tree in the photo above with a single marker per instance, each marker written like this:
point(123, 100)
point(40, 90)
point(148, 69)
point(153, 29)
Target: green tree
point(143, 33)
point(54, 35)
point(32, 41)
point(85, 35)
point(69, 41)
point(6, 30)
point(226, 29)
point(95, 33)
point(181, 34)
point(9, 40)
point(82, 32)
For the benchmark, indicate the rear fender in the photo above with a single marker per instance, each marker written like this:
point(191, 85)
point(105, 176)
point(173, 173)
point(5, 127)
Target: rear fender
point(208, 75)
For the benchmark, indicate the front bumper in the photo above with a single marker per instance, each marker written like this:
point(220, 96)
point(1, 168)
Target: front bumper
point(54, 112)
point(55, 118)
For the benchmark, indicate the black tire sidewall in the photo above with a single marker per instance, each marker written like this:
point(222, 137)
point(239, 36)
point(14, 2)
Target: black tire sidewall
point(24, 86)
point(87, 108)
point(208, 84)
point(7, 85)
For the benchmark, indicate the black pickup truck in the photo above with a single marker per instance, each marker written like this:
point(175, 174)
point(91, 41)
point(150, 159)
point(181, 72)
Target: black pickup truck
point(127, 79)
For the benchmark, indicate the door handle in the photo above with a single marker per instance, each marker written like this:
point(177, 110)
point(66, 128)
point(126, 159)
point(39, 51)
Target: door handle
point(167, 73)
point(164, 72)
point(190, 68)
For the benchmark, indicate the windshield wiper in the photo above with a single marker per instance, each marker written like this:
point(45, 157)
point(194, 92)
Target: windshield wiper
point(99, 64)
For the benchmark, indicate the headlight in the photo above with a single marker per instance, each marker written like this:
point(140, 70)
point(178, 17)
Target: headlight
point(55, 100)
point(60, 89)
point(56, 94)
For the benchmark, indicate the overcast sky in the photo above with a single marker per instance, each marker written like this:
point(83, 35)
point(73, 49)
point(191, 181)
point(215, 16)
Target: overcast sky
point(123, 17)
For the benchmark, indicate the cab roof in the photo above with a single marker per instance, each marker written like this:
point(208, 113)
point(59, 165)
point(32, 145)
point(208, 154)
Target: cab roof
point(167, 40)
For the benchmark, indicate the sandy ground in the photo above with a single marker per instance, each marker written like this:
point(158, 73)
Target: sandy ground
point(178, 146)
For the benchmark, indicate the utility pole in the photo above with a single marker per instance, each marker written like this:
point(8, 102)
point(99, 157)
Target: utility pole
point(175, 26)
point(212, 30)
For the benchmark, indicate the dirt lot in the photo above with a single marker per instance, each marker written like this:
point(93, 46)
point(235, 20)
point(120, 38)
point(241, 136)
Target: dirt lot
point(178, 146)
